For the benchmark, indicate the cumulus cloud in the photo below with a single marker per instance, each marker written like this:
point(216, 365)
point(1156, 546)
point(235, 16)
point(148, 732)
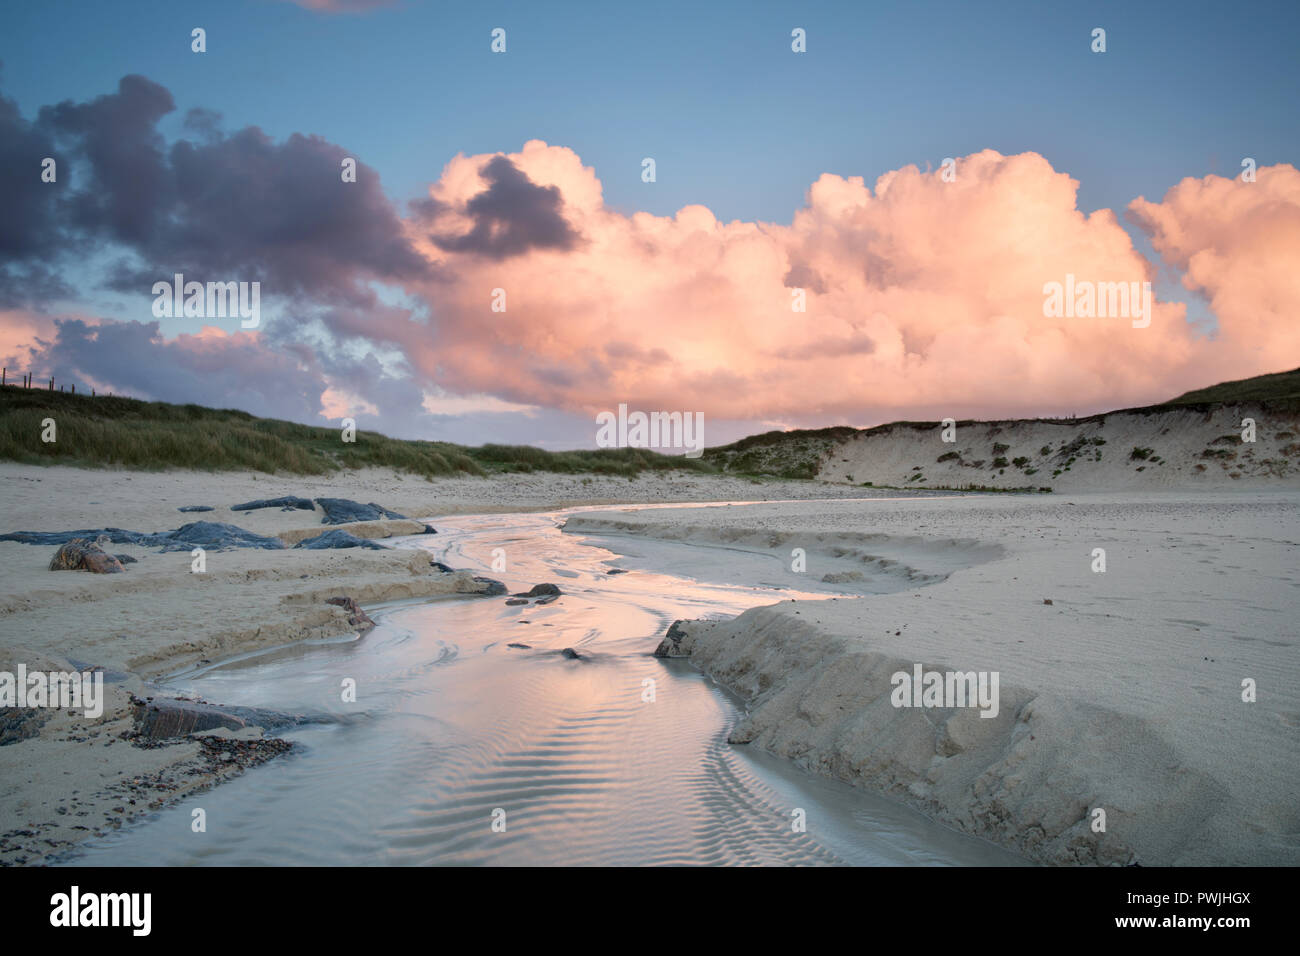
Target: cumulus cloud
point(29, 231)
point(1237, 243)
point(511, 216)
point(924, 298)
point(218, 206)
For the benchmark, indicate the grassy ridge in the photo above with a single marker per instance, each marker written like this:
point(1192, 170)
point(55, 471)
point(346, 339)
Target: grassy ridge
point(798, 453)
point(1278, 388)
point(126, 432)
point(107, 430)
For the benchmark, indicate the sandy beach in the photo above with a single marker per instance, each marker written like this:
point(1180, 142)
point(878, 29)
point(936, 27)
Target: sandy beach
point(1119, 690)
point(77, 776)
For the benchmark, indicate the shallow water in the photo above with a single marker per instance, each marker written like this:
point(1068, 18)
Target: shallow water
point(451, 726)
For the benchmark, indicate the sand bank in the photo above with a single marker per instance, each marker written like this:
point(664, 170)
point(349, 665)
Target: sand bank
point(1123, 694)
point(1196, 448)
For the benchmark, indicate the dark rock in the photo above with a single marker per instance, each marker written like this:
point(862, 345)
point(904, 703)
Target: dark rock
point(209, 535)
point(288, 503)
point(429, 529)
point(1047, 600)
point(126, 559)
point(114, 535)
point(82, 555)
point(19, 723)
point(525, 647)
point(161, 717)
point(514, 601)
point(538, 590)
point(442, 567)
point(549, 599)
point(570, 654)
point(494, 588)
point(343, 511)
point(617, 571)
point(338, 538)
point(671, 645)
point(164, 717)
point(195, 508)
point(356, 616)
point(215, 536)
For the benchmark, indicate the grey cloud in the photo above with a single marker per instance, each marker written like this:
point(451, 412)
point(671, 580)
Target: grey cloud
point(512, 216)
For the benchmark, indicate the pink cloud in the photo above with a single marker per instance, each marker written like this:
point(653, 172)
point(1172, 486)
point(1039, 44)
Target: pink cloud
point(1238, 244)
point(19, 331)
point(923, 296)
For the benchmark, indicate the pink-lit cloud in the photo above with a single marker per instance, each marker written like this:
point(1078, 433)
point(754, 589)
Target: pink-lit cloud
point(922, 295)
point(1238, 244)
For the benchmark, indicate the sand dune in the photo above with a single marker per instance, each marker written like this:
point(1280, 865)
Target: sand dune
point(1196, 449)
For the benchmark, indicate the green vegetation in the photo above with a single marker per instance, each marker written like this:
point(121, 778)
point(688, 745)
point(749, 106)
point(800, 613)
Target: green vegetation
point(109, 430)
point(1279, 388)
point(1140, 454)
point(794, 454)
point(999, 463)
point(1023, 489)
point(1020, 462)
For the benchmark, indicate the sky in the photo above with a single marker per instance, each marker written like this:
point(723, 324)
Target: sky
point(776, 173)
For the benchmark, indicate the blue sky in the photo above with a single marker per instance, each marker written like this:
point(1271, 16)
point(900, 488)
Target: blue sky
point(712, 91)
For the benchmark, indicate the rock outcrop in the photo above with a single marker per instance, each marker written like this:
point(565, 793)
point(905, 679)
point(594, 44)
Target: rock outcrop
point(80, 554)
point(338, 538)
point(344, 511)
point(671, 645)
point(286, 503)
point(209, 535)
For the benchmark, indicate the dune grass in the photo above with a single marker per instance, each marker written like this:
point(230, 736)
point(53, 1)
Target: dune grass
point(795, 454)
point(152, 436)
point(1278, 388)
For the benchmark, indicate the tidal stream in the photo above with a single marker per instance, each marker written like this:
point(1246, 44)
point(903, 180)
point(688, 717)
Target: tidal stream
point(453, 729)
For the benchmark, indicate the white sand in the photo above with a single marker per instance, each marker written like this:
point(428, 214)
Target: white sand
point(76, 777)
point(1123, 694)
